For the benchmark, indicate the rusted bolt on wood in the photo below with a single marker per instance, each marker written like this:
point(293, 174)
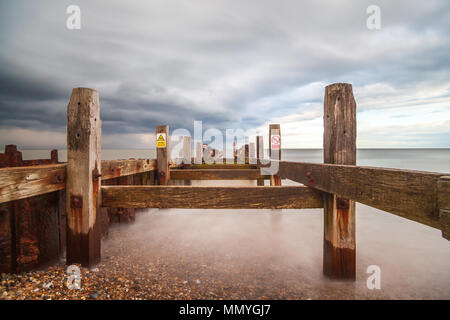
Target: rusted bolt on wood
point(342, 203)
point(310, 179)
point(95, 174)
point(58, 178)
point(76, 202)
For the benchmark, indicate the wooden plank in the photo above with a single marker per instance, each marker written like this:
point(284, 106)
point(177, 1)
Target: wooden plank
point(274, 129)
point(444, 205)
point(211, 197)
point(24, 182)
point(162, 157)
point(406, 193)
point(339, 147)
point(118, 168)
point(216, 174)
point(83, 181)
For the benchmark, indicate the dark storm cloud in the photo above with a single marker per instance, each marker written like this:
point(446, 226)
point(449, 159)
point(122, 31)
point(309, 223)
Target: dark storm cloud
point(228, 63)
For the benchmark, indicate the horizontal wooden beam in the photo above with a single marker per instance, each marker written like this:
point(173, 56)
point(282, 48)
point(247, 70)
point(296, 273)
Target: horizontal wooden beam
point(29, 181)
point(216, 174)
point(24, 182)
point(219, 166)
point(406, 193)
point(211, 197)
point(119, 168)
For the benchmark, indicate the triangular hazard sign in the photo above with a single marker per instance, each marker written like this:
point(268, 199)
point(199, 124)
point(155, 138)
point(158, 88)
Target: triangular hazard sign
point(161, 138)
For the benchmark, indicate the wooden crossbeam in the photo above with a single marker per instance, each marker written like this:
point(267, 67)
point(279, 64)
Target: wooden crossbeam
point(289, 197)
point(216, 174)
point(217, 166)
point(119, 168)
point(406, 193)
point(24, 182)
point(29, 181)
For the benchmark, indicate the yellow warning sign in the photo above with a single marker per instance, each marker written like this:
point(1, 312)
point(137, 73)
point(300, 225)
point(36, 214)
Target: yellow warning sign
point(161, 140)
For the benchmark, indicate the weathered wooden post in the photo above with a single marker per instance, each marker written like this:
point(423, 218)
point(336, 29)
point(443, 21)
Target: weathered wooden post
point(83, 177)
point(198, 153)
point(162, 154)
point(259, 156)
point(275, 150)
point(251, 153)
point(187, 157)
point(444, 205)
point(339, 147)
point(246, 153)
point(234, 152)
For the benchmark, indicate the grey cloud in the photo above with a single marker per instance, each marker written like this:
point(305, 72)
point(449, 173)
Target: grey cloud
point(223, 62)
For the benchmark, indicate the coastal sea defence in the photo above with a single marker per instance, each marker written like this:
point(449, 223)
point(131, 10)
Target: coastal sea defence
point(86, 189)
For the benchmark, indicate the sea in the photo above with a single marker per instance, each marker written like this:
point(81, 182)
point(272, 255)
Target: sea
point(413, 259)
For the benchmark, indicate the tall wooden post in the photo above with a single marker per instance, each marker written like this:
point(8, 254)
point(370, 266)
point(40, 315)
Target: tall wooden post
point(259, 156)
point(83, 177)
point(275, 150)
point(339, 147)
point(162, 154)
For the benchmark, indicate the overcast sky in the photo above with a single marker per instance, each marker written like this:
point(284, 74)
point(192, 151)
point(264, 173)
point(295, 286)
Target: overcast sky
point(231, 64)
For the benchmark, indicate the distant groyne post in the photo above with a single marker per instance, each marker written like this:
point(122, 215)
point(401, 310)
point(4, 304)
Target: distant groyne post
point(275, 150)
point(259, 156)
point(339, 147)
point(83, 197)
point(198, 153)
point(247, 153)
point(187, 154)
point(162, 154)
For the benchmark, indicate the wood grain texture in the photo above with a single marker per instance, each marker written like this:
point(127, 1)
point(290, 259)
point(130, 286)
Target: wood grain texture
point(211, 197)
point(216, 174)
point(406, 193)
point(339, 147)
point(83, 195)
point(24, 182)
point(118, 168)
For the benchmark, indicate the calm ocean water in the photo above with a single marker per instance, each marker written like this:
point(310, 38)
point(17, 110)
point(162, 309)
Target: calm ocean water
point(415, 159)
point(414, 259)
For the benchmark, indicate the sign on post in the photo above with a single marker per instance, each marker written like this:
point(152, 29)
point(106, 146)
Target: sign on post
point(161, 140)
point(275, 142)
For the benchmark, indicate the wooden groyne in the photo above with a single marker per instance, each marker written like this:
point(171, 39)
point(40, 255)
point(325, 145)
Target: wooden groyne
point(86, 193)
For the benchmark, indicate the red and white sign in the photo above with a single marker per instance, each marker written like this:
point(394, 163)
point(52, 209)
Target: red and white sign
point(275, 142)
